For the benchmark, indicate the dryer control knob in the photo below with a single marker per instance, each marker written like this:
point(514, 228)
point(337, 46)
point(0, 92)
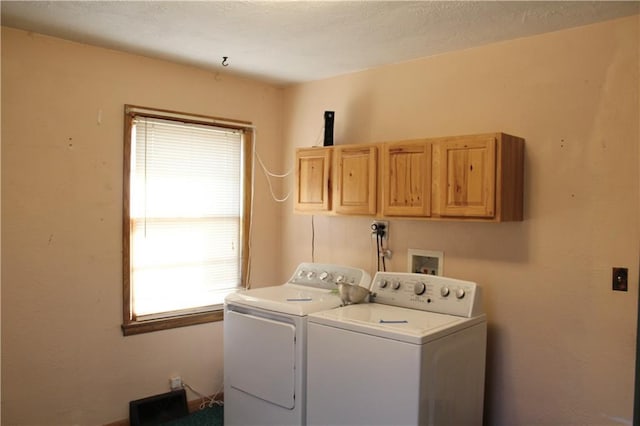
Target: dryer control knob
point(310, 274)
point(460, 293)
point(444, 291)
point(383, 284)
point(324, 276)
point(419, 288)
point(340, 278)
point(395, 285)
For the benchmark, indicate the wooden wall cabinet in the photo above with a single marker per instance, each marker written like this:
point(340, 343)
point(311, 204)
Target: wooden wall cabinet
point(406, 178)
point(355, 179)
point(479, 176)
point(313, 180)
point(476, 177)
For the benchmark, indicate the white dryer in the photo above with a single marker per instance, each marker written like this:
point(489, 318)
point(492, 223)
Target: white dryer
point(415, 356)
point(265, 335)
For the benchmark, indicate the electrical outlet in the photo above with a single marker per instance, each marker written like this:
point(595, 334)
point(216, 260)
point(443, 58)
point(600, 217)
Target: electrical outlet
point(175, 383)
point(380, 227)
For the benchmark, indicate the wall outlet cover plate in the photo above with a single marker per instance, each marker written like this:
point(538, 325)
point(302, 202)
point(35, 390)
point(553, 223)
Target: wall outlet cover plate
point(619, 279)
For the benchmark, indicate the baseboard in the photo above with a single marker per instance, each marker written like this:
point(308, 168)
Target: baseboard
point(194, 405)
point(118, 423)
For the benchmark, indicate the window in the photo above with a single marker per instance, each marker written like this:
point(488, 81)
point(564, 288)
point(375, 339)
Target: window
point(186, 209)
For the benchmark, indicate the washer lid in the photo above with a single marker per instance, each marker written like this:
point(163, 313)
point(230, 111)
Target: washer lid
point(288, 298)
point(406, 325)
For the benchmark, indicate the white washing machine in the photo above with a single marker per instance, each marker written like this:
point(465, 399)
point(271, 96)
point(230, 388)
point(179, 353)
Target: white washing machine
point(265, 335)
point(414, 356)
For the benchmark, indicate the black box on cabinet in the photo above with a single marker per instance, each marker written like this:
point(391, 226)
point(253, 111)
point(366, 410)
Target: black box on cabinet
point(329, 116)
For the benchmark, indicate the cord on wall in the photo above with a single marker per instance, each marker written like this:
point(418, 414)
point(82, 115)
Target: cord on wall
point(313, 239)
point(206, 401)
point(318, 141)
point(268, 174)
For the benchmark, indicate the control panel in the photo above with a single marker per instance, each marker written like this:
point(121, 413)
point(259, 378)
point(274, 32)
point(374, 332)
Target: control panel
point(427, 293)
point(327, 276)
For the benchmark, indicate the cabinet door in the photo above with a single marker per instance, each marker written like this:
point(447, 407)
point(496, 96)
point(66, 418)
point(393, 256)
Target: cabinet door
point(468, 177)
point(406, 178)
point(313, 167)
point(354, 189)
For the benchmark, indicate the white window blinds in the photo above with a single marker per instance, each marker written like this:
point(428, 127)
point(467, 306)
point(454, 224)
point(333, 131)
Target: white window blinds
point(186, 216)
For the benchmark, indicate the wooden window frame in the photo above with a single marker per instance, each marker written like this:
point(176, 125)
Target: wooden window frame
point(129, 325)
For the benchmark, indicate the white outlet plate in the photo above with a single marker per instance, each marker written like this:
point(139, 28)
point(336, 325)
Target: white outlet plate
point(386, 228)
point(175, 383)
point(429, 262)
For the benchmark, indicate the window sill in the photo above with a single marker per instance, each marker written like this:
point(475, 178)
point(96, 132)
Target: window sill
point(138, 327)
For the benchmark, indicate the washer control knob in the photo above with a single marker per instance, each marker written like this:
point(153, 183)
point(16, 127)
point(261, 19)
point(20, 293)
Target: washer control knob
point(301, 273)
point(324, 276)
point(340, 278)
point(310, 275)
point(444, 291)
point(460, 293)
point(419, 288)
point(395, 285)
point(383, 284)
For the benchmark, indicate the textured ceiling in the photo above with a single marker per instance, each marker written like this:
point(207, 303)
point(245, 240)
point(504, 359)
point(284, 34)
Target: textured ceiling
point(287, 42)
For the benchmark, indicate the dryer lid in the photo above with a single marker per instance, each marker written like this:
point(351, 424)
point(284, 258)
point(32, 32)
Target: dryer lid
point(291, 299)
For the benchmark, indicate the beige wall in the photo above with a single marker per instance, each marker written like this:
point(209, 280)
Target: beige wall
point(64, 359)
point(561, 342)
point(0, 320)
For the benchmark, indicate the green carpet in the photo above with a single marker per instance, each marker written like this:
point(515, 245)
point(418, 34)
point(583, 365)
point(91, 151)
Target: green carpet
point(207, 417)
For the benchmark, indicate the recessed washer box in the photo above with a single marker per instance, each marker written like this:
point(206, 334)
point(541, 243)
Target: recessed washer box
point(430, 262)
